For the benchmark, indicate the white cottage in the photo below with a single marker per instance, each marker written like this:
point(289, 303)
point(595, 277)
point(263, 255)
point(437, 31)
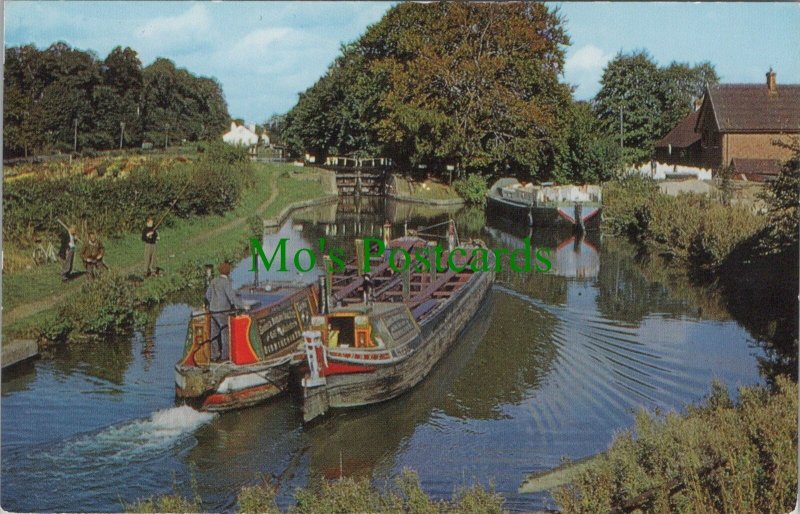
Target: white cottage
point(241, 135)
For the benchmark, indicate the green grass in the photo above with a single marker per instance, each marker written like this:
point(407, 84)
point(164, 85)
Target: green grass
point(294, 186)
point(430, 190)
point(182, 242)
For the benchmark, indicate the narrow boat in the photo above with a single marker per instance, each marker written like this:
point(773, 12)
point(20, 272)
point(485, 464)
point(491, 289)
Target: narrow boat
point(264, 343)
point(547, 205)
point(374, 345)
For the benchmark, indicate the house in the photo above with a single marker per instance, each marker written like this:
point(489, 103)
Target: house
point(241, 135)
point(737, 125)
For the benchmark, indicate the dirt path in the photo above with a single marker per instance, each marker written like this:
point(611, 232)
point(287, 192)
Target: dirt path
point(29, 309)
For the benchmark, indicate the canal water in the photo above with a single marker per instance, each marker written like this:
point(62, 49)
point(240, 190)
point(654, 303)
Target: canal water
point(552, 367)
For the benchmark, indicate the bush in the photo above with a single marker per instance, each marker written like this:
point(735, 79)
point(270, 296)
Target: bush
point(472, 188)
point(688, 226)
point(724, 458)
point(124, 194)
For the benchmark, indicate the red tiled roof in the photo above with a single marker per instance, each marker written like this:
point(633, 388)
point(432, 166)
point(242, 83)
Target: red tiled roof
point(756, 166)
point(683, 135)
point(751, 108)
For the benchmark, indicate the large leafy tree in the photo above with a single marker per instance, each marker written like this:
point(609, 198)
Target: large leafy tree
point(646, 101)
point(588, 154)
point(476, 85)
point(48, 91)
point(629, 99)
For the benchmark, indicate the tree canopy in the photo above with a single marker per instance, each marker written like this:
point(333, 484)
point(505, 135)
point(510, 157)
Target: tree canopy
point(470, 84)
point(47, 92)
point(650, 99)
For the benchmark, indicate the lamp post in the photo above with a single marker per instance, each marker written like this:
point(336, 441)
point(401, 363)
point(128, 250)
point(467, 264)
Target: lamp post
point(121, 133)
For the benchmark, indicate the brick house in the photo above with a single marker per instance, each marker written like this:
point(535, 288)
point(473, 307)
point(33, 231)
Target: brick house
point(737, 124)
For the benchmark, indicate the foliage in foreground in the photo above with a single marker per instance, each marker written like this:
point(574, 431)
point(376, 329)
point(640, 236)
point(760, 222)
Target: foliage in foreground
point(689, 226)
point(351, 495)
point(722, 457)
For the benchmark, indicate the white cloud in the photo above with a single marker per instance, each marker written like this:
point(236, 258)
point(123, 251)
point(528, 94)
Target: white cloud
point(587, 59)
point(584, 68)
point(183, 31)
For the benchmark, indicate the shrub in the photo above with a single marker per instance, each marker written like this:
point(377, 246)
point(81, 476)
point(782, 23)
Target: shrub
point(724, 458)
point(472, 188)
point(124, 194)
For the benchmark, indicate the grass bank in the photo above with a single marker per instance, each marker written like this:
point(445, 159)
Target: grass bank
point(37, 303)
point(405, 495)
point(720, 457)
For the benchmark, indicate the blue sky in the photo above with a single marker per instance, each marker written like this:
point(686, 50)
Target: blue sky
point(265, 53)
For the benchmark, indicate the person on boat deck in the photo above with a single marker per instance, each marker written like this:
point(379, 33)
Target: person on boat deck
point(92, 256)
point(220, 300)
point(333, 337)
point(367, 286)
point(149, 237)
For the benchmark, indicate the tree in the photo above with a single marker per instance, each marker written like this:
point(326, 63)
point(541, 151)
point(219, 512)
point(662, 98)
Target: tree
point(475, 85)
point(630, 90)
point(588, 154)
point(783, 198)
point(48, 91)
point(680, 86)
point(650, 100)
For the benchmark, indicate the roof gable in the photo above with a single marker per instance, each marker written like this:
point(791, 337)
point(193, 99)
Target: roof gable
point(683, 135)
point(751, 107)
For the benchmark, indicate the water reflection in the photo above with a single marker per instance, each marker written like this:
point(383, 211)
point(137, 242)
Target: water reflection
point(553, 365)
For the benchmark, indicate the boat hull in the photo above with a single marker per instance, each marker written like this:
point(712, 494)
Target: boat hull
point(384, 382)
point(563, 216)
point(225, 387)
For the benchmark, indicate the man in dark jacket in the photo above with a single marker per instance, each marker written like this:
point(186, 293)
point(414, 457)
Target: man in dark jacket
point(150, 236)
point(221, 300)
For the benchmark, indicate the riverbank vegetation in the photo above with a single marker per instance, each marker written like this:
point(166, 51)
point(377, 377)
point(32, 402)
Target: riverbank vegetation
point(724, 456)
point(69, 100)
point(405, 495)
point(706, 232)
point(37, 304)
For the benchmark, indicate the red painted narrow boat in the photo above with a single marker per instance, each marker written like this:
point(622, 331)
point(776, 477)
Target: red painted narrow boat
point(263, 345)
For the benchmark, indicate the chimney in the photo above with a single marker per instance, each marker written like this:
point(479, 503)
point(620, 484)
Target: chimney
point(233, 125)
point(772, 85)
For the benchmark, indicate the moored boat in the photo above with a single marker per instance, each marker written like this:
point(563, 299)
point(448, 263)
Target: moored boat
point(368, 350)
point(576, 207)
point(263, 345)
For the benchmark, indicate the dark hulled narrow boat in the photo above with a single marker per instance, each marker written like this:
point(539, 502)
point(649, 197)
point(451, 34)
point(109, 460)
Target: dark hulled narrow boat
point(263, 345)
point(361, 353)
point(576, 207)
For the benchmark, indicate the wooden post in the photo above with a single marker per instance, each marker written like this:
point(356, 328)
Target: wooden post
point(360, 256)
point(406, 274)
point(432, 257)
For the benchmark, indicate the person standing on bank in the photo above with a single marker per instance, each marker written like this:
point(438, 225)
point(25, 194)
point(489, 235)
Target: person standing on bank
point(221, 299)
point(150, 236)
point(92, 255)
point(69, 253)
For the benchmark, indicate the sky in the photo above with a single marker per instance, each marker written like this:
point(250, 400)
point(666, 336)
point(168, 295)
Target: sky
point(265, 53)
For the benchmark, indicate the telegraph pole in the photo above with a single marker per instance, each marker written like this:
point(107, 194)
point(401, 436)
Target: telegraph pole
point(621, 143)
point(75, 135)
point(121, 133)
